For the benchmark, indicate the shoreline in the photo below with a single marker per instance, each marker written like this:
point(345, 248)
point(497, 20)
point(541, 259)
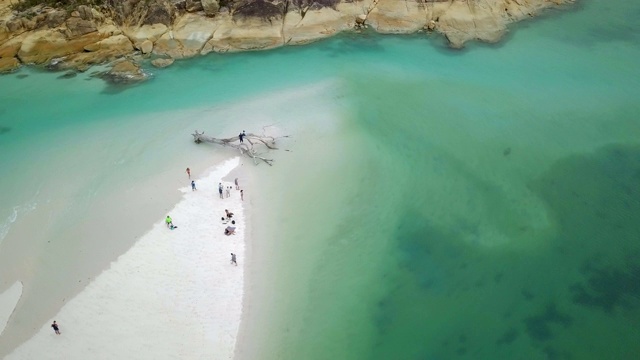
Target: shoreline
point(96, 35)
point(167, 283)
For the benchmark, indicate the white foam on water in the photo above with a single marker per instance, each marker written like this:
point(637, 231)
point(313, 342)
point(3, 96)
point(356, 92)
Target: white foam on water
point(174, 294)
point(5, 226)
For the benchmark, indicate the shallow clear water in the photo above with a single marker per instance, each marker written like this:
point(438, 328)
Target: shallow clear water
point(464, 204)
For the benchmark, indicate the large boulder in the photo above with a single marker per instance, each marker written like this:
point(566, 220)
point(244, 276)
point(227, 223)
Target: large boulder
point(119, 43)
point(262, 9)
point(11, 47)
point(305, 23)
point(193, 5)
point(85, 12)
point(397, 16)
point(55, 18)
point(146, 47)
point(210, 7)
point(124, 72)
point(78, 27)
point(8, 64)
point(248, 33)
point(4, 33)
point(189, 35)
point(162, 63)
point(14, 25)
point(138, 35)
point(41, 46)
point(159, 12)
point(459, 23)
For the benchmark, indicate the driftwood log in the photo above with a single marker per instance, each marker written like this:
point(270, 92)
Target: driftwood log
point(247, 148)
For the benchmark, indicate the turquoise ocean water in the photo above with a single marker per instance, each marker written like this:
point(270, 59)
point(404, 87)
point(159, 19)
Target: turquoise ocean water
point(479, 204)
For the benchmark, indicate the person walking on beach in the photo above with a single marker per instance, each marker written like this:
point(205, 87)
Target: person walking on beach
point(228, 191)
point(169, 222)
point(57, 329)
point(220, 190)
point(242, 195)
point(233, 259)
point(193, 186)
point(189, 172)
point(237, 186)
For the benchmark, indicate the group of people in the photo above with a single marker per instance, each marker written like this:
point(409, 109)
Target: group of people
point(230, 229)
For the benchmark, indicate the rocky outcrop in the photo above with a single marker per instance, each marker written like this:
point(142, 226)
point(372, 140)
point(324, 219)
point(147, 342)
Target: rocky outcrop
point(210, 7)
point(398, 16)
point(306, 22)
point(8, 64)
point(253, 33)
point(462, 22)
point(56, 18)
point(42, 46)
point(187, 38)
point(124, 72)
point(186, 28)
point(162, 63)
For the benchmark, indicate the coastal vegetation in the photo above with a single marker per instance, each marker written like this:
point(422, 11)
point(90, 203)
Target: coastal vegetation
point(24, 5)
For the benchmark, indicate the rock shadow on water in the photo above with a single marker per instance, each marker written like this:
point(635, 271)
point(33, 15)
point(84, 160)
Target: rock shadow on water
point(609, 288)
point(539, 326)
point(68, 75)
point(508, 336)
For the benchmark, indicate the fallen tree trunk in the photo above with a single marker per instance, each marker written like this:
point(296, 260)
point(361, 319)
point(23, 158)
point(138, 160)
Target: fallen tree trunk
point(248, 147)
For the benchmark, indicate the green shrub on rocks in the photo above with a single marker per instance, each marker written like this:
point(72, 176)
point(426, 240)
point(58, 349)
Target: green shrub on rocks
point(23, 5)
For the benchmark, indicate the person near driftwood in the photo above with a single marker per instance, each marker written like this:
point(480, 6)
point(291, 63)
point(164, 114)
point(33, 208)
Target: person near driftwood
point(248, 148)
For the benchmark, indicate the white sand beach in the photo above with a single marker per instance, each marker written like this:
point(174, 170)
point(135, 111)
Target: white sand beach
point(174, 294)
point(8, 301)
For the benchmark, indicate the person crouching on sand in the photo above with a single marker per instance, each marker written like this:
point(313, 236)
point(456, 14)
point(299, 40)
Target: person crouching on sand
point(230, 230)
point(229, 214)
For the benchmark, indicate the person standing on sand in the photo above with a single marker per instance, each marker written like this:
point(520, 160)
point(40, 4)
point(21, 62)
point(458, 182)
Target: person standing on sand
point(220, 190)
point(169, 222)
point(242, 195)
point(237, 186)
point(228, 191)
point(233, 259)
point(241, 137)
point(193, 186)
point(57, 329)
point(189, 172)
